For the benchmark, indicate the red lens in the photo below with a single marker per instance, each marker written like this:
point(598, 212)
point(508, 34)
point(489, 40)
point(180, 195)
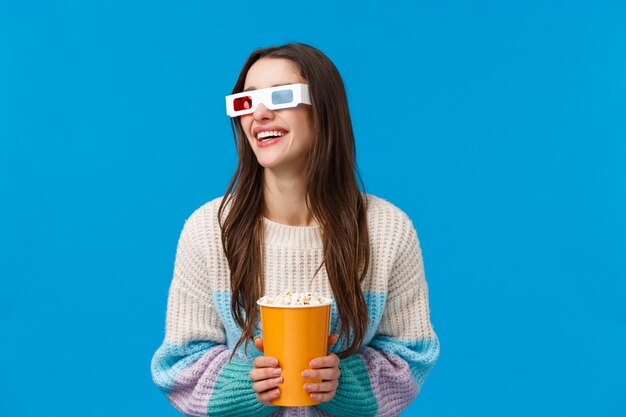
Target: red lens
point(242, 103)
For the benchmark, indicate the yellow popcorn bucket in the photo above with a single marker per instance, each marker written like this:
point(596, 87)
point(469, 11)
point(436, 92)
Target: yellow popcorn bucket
point(295, 335)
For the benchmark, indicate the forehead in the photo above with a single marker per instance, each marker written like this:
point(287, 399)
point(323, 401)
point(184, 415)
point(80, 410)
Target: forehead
point(269, 72)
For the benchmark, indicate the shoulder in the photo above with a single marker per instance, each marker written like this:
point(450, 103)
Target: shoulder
point(203, 222)
point(385, 216)
point(378, 205)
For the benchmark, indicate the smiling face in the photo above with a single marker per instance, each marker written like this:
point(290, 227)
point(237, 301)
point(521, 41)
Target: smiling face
point(280, 139)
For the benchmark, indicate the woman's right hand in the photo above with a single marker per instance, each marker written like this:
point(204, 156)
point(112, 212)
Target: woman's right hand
point(265, 376)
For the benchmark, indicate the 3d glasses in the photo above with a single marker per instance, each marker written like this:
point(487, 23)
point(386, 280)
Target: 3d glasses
point(274, 98)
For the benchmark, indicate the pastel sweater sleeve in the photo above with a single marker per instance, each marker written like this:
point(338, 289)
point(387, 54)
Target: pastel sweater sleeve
point(387, 375)
point(192, 366)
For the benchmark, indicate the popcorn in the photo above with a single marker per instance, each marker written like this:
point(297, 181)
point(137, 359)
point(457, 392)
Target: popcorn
point(289, 298)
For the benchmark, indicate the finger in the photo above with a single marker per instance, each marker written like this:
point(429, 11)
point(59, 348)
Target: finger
point(329, 361)
point(332, 339)
point(322, 396)
point(325, 386)
point(266, 384)
point(265, 362)
point(265, 397)
point(259, 374)
point(324, 373)
point(258, 343)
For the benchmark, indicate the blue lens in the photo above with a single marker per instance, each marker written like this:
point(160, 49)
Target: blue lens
point(282, 97)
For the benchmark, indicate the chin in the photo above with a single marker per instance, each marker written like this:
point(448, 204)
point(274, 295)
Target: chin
point(269, 161)
point(268, 164)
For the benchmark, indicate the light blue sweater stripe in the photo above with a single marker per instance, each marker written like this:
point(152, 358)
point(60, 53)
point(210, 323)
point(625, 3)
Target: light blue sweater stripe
point(375, 306)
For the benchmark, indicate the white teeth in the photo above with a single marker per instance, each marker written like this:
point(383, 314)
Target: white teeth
point(268, 133)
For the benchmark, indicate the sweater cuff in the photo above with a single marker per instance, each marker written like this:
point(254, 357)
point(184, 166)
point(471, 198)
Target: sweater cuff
point(354, 396)
point(233, 394)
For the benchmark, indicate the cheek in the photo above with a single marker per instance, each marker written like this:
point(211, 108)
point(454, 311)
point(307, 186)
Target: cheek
point(246, 119)
point(309, 132)
point(246, 122)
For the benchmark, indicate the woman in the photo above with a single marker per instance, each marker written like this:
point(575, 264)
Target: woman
point(293, 218)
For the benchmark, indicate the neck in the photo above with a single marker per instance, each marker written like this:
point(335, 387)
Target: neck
point(285, 199)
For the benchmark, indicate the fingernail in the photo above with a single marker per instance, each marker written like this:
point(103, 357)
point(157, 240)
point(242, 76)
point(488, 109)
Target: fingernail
point(314, 396)
point(275, 393)
point(276, 371)
point(306, 374)
point(274, 362)
point(313, 364)
point(307, 387)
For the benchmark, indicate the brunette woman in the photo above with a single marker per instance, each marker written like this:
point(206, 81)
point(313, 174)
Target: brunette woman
point(293, 217)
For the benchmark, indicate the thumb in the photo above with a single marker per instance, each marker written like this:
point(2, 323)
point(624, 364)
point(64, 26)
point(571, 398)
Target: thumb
point(258, 343)
point(332, 339)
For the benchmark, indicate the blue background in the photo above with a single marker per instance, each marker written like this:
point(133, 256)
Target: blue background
point(498, 128)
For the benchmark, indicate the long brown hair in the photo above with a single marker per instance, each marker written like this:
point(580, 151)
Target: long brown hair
point(333, 197)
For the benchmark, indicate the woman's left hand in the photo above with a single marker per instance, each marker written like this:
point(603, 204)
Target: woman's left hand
point(325, 368)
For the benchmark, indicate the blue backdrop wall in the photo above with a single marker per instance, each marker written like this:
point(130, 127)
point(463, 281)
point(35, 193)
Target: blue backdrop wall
point(498, 128)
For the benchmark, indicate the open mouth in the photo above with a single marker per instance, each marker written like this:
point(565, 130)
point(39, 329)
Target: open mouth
point(270, 134)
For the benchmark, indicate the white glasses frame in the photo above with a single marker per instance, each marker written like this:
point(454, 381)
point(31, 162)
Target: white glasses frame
point(299, 92)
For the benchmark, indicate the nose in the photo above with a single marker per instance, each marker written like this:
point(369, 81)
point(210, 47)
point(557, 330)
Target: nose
point(263, 113)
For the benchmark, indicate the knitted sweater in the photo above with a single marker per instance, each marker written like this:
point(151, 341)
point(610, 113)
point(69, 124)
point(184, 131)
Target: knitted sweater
point(192, 365)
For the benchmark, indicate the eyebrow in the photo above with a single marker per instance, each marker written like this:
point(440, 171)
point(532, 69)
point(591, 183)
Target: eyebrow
point(275, 85)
